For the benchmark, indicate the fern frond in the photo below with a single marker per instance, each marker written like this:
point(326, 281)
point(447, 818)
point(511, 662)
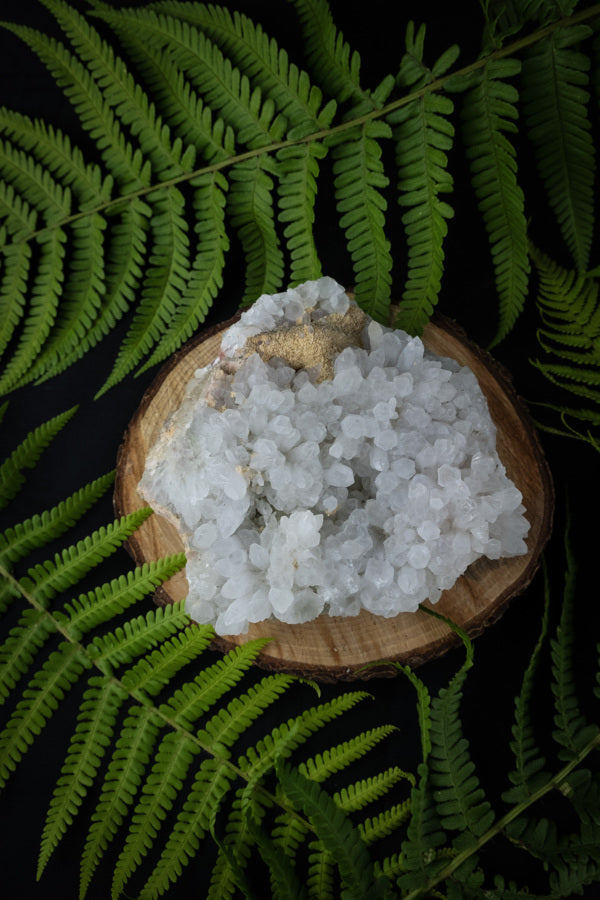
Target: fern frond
point(357, 795)
point(206, 273)
point(458, 795)
point(285, 881)
point(172, 760)
point(251, 208)
point(335, 65)
point(14, 274)
point(226, 725)
point(123, 778)
point(423, 135)
point(56, 152)
point(80, 301)
point(138, 635)
point(165, 279)
point(336, 832)
point(321, 766)
point(44, 693)
point(132, 106)
point(297, 172)
point(21, 646)
point(555, 100)
point(572, 731)
point(154, 671)
point(89, 610)
point(385, 823)
point(125, 162)
point(227, 91)
point(489, 111)
point(26, 455)
point(268, 65)
point(208, 791)
point(44, 580)
point(44, 299)
point(529, 772)
point(195, 698)
point(570, 311)
point(18, 218)
point(19, 540)
point(358, 182)
point(93, 734)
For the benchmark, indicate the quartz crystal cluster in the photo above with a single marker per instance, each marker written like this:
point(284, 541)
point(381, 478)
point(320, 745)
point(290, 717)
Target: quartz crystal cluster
point(325, 464)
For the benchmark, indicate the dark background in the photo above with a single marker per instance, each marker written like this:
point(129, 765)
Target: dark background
point(88, 447)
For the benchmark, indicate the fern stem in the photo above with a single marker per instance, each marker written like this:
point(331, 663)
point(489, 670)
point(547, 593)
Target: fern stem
point(498, 827)
point(372, 114)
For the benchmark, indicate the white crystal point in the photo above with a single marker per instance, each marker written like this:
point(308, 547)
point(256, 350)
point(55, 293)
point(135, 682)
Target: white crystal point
point(358, 471)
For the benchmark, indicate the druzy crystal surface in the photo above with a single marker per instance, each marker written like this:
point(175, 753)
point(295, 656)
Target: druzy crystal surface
point(323, 464)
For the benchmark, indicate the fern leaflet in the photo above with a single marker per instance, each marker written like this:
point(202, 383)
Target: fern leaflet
point(423, 136)
point(488, 113)
point(555, 99)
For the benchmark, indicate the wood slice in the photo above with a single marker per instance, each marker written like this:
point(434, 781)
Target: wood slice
point(337, 648)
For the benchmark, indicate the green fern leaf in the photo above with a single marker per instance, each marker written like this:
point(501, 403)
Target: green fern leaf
point(358, 180)
point(166, 277)
point(320, 878)
point(335, 65)
point(21, 646)
point(572, 730)
point(155, 670)
point(459, 798)
point(206, 273)
point(172, 761)
point(570, 312)
point(55, 152)
point(385, 823)
point(284, 879)
point(80, 301)
point(321, 766)
point(247, 45)
point(251, 209)
point(225, 89)
point(226, 725)
point(138, 635)
point(16, 264)
point(424, 837)
point(555, 99)
point(124, 776)
point(209, 790)
point(297, 171)
point(529, 773)
point(123, 94)
point(42, 697)
point(193, 699)
point(44, 300)
point(96, 721)
point(19, 540)
point(127, 164)
point(368, 790)
point(26, 455)
point(235, 851)
point(489, 112)
point(336, 832)
point(423, 135)
point(18, 218)
point(44, 580)
point(103, 603)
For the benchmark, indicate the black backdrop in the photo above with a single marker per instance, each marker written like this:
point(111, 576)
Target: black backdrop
point(88, 448)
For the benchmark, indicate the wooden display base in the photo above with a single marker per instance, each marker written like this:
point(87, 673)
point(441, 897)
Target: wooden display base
point(337, 648)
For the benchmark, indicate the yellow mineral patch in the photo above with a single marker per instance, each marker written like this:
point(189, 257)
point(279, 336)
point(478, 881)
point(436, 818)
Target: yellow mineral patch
point(309, 345)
